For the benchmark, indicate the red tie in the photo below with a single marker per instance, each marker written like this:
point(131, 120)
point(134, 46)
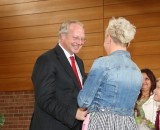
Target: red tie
point(75, 71)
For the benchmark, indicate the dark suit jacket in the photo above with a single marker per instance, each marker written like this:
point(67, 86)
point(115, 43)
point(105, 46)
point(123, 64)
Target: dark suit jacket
point(56, 89)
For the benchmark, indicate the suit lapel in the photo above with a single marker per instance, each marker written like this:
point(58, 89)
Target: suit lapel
point(65, 63)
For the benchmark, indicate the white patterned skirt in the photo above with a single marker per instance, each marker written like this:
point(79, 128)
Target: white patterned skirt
point(109, 121)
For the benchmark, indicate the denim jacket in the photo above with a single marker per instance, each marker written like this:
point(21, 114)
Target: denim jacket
point(113, 85)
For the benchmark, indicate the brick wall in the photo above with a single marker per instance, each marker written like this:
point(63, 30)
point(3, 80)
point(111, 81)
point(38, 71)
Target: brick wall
point(17, 108)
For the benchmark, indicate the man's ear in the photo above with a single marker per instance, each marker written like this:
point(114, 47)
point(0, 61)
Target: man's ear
point(62, 36)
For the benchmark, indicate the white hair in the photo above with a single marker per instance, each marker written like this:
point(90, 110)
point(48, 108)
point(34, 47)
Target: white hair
point(121, 30)
point(64, 28)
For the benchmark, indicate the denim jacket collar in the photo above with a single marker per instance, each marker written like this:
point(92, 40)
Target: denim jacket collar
point(120, 52)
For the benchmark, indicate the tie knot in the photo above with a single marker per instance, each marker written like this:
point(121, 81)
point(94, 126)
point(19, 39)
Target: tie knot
point(72, 58)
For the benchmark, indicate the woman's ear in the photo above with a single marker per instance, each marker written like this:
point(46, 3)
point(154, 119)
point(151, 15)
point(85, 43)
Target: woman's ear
point(128, 44)
point(109, 39)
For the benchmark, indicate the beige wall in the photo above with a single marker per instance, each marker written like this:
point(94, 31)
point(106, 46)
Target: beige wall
point(30, 27)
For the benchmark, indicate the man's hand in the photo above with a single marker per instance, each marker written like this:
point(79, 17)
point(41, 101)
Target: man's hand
point(81, 114)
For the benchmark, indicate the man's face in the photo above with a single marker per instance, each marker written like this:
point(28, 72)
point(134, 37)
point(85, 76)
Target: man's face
point(74, 39)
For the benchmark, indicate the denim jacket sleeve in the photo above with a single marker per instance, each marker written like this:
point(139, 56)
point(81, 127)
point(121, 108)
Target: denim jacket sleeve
point(91, 85)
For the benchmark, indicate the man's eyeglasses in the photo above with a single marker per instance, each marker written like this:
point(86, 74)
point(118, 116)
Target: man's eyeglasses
point(79, 39)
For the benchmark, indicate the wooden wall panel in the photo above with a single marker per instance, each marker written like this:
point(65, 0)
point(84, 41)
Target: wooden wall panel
point(156, 72)
point(46, 6)
point(7, 2)
point(132, 8)
point(29, 32)
point(147, 34)
point(30, 56)
point(141, 20)
point(94, 39)
point(30, 27)
point(145, 20)
point(45, 31)
point(92, 52)
point(147, 61)
point(51, 17)
point(14, 84)
point(18, 58)
point(27, 45)
point(16, 71)
point(145, 48)
point(37, 44)
point(88, 64)
point(109, 2)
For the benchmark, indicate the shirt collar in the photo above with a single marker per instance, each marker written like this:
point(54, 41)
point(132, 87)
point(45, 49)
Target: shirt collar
point(66, 52)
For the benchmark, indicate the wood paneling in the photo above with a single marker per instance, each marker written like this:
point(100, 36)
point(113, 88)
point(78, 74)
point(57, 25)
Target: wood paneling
point(147, 34)
point(94, 39)
point(30, 27)
point(45, 31)
point(5, 2)
point(147, 61)
point(109, 2)
point(132, 8)
point(145, 20)
point(92, 52)
point(145, 48)
point(14, 84)
point(29, 32)
point(46, 6)
point(156, 72)
point(51, 17)
point(9, 59)
point(27, 45)
point(18, 58)
point(88, 64)
point(141, 20)
point(16, 71)
point(37, 44)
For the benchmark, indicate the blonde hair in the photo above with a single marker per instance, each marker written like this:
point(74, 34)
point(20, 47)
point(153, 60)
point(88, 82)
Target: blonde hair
point(121, 30)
